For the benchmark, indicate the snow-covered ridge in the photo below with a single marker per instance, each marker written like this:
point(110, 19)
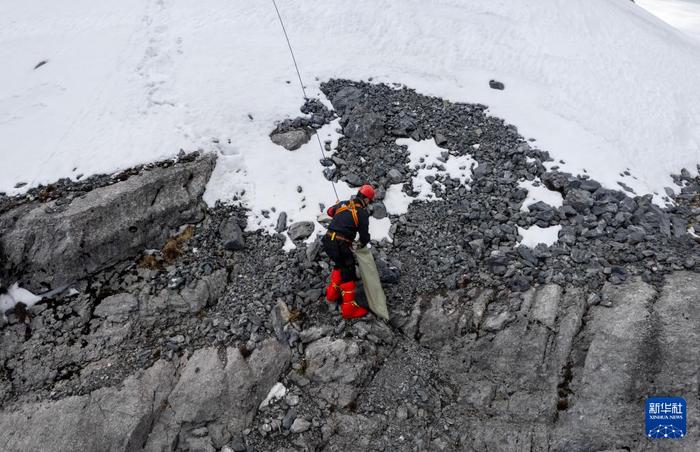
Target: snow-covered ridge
point(603, 85)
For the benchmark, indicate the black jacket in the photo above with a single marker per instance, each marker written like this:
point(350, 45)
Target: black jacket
point(343, 222)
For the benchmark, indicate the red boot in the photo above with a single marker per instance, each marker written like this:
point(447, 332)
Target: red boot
point(350, 309)
point(333, 289)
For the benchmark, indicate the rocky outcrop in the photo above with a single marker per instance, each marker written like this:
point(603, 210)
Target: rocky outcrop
point(109, 419)
point(217, 395)
point(561, 375)
point(205, 402)
point(53, 244)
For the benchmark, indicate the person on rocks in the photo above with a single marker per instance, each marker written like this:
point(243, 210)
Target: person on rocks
point(349, 218)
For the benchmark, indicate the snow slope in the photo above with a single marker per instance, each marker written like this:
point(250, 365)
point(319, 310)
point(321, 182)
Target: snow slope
point(682, 14)
point(601, 84)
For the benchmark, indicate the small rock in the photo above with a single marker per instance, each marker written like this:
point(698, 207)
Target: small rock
point(394, 176)
point(301, 230)
point(291, 140)
point(231, 235)
point(496, 85)
point(289, 418)
point(300, 425)
point(292, 399)
point(238, 445)
point(402, 412)
point(353, 180)
point(281, 222)
point(440, 139)
point(482, 170)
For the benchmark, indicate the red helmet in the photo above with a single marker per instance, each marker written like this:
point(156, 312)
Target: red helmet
point(367, 191)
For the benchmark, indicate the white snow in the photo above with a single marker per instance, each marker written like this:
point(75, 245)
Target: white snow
point(396, 200)
point(682, 14)
point(424, 157)
point(601, 84)
point(535, 235)
point(276, 392)
point(379, 229)
point(14, 295)
point(539, 192)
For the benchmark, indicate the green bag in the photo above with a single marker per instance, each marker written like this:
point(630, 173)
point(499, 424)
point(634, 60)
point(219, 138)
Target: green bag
point(370, 278)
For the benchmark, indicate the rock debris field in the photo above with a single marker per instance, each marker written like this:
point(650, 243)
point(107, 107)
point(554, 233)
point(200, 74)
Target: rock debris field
point(166, 325)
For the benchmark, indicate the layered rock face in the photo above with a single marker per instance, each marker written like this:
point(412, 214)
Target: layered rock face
point(64, 240)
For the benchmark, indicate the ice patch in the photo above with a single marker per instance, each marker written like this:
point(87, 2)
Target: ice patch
point(540, 193)
point(535, 235)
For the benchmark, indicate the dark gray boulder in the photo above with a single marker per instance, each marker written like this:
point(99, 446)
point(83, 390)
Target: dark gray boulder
point(365, 126)
point(346, 99)
point(231, 235)
point(580, 200)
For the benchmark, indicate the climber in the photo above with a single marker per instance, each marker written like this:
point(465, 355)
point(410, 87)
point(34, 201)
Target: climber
point(348, 219)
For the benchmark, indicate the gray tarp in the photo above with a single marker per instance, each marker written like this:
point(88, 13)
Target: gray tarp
point(373, 287)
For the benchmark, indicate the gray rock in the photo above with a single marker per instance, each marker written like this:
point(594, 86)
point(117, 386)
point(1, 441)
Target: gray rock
point(312, 250)
point(482, 170)
point(589, 185)
point(611, 364)
point(192, 298)
point(555, 181)
point(388, 274)
point(314, 333)
point(436, 326)
point(496, 85)
point(289, 418)
point(58, 245)
point(497, 321)
point(291, 140)
point(546, 305)
point(281, 222)
point(279, 319)
point(379, 210)
point(336, 368)
point(226, 391)
point(231, 235)
point(117, 308)
point(365, 126)
point(300, 425)
point(354, 180)
point(91, 422)
point(346, 99)
point(301, 230)
point(580, 200)
point(394, 176)
point(440, 139)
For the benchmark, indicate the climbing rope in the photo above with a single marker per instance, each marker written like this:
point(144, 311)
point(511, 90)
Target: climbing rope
point(301, 83)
